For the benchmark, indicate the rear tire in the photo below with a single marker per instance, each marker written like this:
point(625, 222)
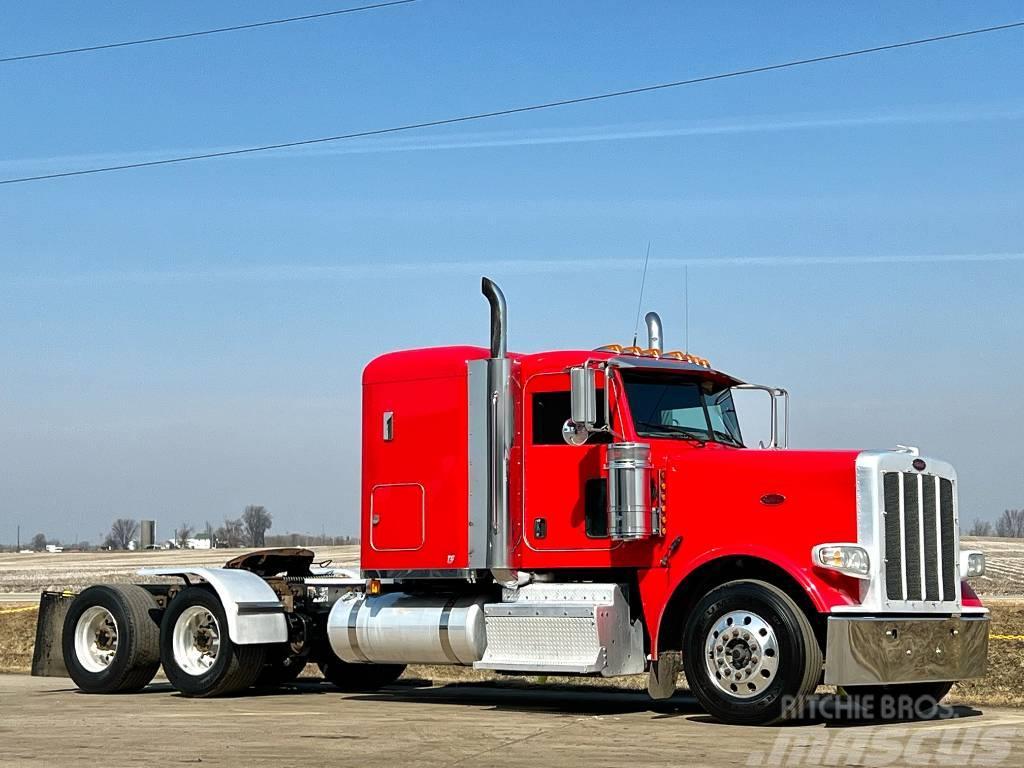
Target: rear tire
point(358, 677)
point(750, 654)
point(199, 658)
point(111, 639)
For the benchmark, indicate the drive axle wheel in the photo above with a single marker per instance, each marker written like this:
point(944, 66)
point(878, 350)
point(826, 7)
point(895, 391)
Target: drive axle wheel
point(198, 656)
point(111, 641)
point(750, 653)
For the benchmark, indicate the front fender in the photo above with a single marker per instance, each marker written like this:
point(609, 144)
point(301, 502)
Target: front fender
point(659, 585)
point(255, 614)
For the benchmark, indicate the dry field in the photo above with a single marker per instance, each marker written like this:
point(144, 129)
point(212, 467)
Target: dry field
point(1004, 565)
point(74, 570)
point(31, 573)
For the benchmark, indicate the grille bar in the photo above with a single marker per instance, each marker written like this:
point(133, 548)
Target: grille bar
point(919, 531)
point(911, 536)
point(932, 554)
point(948, 535)
point(893, 536)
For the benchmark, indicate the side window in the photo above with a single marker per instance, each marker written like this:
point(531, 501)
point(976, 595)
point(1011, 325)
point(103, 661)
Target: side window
point(552, 409)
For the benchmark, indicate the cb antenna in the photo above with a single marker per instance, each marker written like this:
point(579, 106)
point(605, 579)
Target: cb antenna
point(640, 301)
point(686, 307)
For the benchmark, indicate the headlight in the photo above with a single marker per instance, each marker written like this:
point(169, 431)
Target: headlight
point(972, 564)
point(851, 559)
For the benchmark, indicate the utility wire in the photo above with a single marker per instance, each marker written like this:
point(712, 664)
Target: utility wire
point(182, 36)
point(514, 110)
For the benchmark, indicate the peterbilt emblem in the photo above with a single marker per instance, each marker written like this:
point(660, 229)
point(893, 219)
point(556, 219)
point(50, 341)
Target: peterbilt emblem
point(772, 499)
point(918, 464)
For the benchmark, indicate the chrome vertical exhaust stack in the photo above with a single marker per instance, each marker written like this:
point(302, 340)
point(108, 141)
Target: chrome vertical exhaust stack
point(499, 443)
point(499, 315)
point(653, 321)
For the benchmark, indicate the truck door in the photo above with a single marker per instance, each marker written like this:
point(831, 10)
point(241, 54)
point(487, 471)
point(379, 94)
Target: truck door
point(563, 487)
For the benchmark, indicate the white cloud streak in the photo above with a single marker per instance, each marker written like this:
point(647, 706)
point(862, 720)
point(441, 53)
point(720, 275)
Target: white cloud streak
point(927, 115)
point(504, 267)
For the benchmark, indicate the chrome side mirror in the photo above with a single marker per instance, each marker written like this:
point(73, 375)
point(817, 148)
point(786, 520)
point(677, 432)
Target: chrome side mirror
point(583, 405)
point(583, 409)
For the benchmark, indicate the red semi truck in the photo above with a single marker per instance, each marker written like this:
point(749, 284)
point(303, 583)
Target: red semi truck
point(581, 512)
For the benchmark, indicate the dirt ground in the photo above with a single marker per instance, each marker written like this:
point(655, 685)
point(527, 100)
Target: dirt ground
point(414, 723)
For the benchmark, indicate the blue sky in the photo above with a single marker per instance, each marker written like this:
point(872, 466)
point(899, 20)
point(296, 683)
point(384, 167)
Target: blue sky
point(181, 341)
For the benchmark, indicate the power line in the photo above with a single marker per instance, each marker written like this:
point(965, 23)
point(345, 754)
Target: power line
point(513, 110)
point(182, 36)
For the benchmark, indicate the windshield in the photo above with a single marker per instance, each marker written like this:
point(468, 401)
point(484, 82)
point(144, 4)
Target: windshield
point(670, 406)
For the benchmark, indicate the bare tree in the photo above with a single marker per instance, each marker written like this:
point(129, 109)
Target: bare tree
point(122, 532)
point(182, 535)
point(257, 521)
point(980, 528)
point(231, 534)
point(1011, 524)
point(39, 542)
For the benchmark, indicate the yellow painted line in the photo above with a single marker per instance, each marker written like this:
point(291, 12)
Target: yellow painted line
point(18, 610)
point(1006, 637)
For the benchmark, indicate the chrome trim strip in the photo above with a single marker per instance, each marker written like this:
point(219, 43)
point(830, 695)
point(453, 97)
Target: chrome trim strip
point(353, 633)
point(903, 536)
point(920, 538)
point(443, 633)
point(938, 538)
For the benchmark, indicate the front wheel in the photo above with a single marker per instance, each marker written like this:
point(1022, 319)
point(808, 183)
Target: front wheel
point(199, 658)
point(750, 654)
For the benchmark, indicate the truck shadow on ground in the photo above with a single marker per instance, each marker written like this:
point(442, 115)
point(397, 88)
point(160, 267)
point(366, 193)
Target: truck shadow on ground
point(514, 696)
point(827, 709)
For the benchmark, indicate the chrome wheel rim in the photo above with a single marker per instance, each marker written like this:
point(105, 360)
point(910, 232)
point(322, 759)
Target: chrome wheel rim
point(196, 640)
point(741, 654)
point(96, 639)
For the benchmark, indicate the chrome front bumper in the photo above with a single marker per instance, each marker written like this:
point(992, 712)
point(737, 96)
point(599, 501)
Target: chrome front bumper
point(877, 650)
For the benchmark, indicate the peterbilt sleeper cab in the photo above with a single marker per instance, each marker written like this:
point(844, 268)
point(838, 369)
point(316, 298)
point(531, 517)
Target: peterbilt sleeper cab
point(598, 512)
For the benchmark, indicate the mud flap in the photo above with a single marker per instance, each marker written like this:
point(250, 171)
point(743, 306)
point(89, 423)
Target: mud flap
point(48, 656)
point(662, 676)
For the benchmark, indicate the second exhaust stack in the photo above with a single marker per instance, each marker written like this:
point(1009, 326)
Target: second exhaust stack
point(653, 321)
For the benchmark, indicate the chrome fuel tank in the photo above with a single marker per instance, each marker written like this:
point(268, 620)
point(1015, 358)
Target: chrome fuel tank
point(397, 628)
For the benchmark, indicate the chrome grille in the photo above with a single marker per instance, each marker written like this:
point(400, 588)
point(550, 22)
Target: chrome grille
point(920, 537)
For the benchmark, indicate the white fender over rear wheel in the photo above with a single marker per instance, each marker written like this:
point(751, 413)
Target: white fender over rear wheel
point(198, 656)
point(111, 640)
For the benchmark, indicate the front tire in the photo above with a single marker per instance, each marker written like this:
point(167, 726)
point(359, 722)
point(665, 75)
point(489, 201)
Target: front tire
point(750, 653)
point(111, 639)
point(199, 658)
